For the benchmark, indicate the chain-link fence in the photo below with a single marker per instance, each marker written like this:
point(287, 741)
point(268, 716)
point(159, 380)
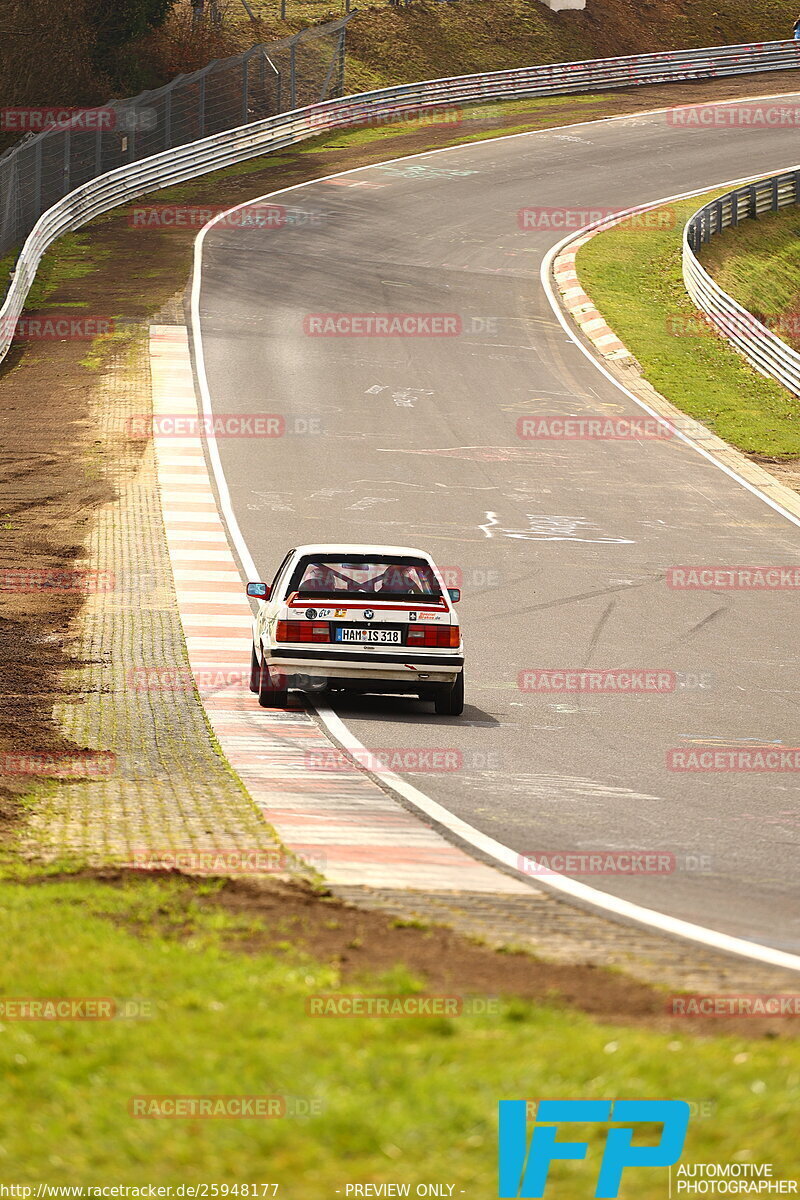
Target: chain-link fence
point(78, 145)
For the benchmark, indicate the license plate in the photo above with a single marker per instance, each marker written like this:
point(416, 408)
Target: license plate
point(383, 636)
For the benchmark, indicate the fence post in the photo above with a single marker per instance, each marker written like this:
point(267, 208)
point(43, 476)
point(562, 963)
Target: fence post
point(8, 219)
point(37, 186)
point(341, 54)
point(245, 65)
point(201, 107)
point(168, 120)
point(67, 163)
point(292, 75)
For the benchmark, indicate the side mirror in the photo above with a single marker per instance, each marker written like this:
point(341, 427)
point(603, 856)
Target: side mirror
point(454, 594)
point(261, 591)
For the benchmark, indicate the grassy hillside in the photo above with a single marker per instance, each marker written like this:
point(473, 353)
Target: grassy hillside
point(759, 265)
point(429, 39)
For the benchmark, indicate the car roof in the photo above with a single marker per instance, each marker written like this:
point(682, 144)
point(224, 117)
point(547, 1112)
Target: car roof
point(354, 548)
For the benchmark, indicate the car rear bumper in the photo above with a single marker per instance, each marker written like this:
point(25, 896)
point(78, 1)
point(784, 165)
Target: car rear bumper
point(424, 668)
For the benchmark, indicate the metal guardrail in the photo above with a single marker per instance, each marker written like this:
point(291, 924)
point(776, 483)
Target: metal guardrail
point(751, 337)
point(117, 187)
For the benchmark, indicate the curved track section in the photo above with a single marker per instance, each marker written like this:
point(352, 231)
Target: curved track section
point(562, 547)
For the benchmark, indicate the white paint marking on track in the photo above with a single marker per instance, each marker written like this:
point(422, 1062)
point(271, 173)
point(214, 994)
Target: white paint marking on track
point(571, 888)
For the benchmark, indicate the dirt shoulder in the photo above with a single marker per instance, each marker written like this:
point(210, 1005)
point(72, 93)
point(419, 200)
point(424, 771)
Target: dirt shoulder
point(298, 923)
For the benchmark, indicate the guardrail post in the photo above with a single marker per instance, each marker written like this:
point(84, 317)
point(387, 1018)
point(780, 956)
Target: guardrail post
point(753, 190)
point(718, 214)
point(734, 209)
point(797, 187)
point(775, 194)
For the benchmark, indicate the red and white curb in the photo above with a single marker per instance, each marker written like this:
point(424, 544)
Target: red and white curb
point(581, 307)
point(338, 820)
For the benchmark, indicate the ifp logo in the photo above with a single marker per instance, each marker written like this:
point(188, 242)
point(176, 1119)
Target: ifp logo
point(524, 1170)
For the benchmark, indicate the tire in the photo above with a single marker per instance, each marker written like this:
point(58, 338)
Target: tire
point(255, 671)
point(268, 695)
point(450, 700)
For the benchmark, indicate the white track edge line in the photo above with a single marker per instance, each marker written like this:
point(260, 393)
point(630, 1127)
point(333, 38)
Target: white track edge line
point(596, 898)
point(559, 883)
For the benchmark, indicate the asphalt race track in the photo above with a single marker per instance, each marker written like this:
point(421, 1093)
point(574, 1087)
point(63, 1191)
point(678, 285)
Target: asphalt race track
point(561, 547)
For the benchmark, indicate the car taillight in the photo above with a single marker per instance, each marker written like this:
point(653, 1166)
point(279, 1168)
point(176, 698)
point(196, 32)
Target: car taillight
point(303, 631)
point(441, 636)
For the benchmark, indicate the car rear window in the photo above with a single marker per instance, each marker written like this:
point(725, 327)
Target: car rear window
point(377, 578)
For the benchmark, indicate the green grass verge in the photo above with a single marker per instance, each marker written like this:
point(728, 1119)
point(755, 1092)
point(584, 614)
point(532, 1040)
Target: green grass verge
point(398, 1100)
point(634, 277)
point(758, 263)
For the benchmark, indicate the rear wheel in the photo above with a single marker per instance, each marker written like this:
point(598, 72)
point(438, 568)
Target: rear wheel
point(255, 670)
point(450, 699)
point(270, 695)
